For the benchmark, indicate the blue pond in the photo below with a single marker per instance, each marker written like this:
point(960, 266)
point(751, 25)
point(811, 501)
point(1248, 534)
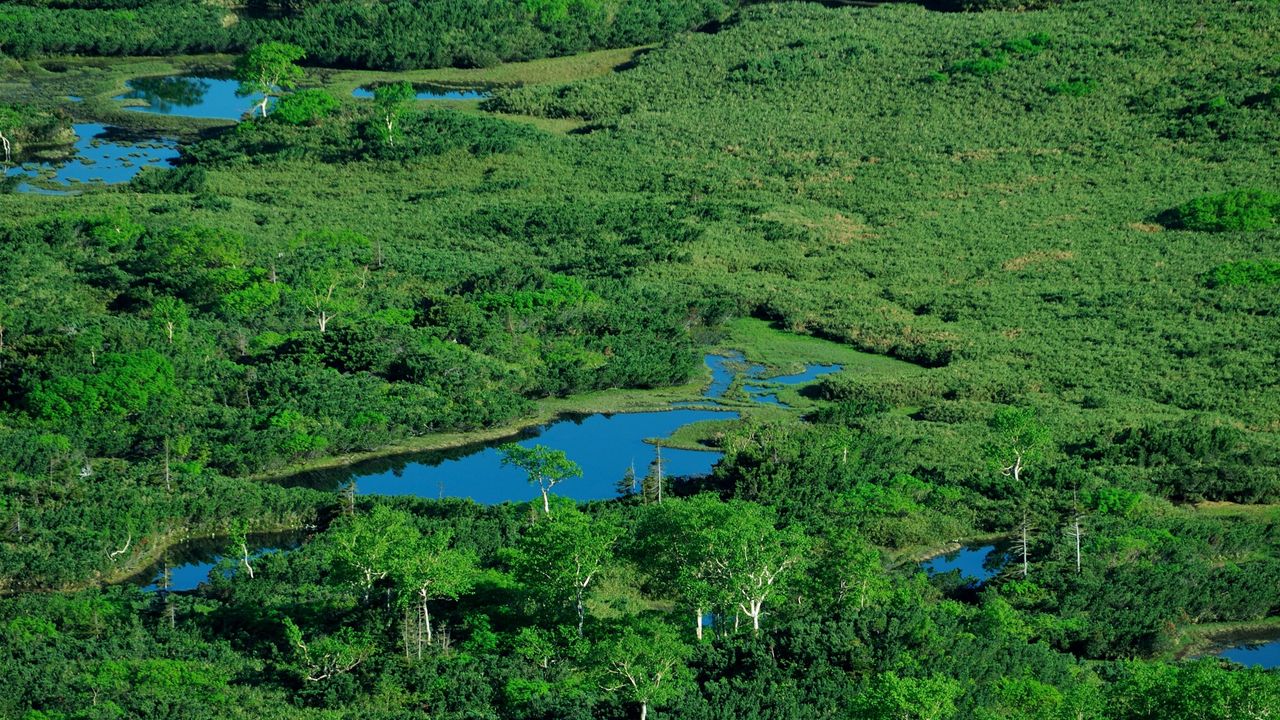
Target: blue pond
point(102, 154)
point(190, 563)
point(1259, 653)
point(605, 446)
point(435, 92)
point(758, 387)
point(975, 563)
point(189, 96)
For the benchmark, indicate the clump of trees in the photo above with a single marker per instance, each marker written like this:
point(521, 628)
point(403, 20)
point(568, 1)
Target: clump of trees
point(1229, 211)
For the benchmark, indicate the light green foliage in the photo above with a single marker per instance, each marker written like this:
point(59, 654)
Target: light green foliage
point(392, 101)
point(893, 697)
point(119, 385)
point(1196, 689)
point(326, 657)
point(368, 547)
point(269, 69)
point(550, 11)
point(170, 318)
point(559, 558)
point(546, 467)
point(647, 665)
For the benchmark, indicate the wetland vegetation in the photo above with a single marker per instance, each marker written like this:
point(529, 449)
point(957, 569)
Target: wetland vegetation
point(665, 380)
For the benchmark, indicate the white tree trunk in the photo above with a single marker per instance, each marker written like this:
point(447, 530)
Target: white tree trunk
point(244, 557)
point(698, 624)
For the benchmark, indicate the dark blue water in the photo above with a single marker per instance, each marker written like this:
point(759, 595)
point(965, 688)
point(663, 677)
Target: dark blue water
point(604, 446)
point(971, 561)
point(435, 92)
point(102, 154)
point(191, 562)
point(1260, 653)
point(190, 96)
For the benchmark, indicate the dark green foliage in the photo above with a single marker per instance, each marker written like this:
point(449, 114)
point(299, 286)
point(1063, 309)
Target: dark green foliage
point(344, 292)
point(1073, 88)
point(417, 33)
point(182, 179)
point(982, 66)
point(1229, 211)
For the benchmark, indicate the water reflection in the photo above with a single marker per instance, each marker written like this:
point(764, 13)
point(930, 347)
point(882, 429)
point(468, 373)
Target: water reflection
point(1263, 652)
point(188, 564)
point(200, 96)
point(101, 153)
point(428, 91)
point(605, 446)
point(975, 563)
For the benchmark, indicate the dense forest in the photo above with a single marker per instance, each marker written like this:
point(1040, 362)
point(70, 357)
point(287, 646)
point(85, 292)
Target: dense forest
point(1040, 238)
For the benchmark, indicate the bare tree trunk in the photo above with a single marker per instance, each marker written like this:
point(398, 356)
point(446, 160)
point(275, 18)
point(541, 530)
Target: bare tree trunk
point(699, 622)
point(582, 611)
point(546, 504)
point(1025, 550)
point(404, 633)
point(244, 553)
point(659, 473)
point(168, 487)
point(644, 710)
point(426, 620)
point(1077, 533)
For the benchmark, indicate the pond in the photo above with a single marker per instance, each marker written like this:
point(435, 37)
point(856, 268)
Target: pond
point(431, 91)
point(605, 446)
point(1263, 652)
point(976, 563)
point(101, 154)
point(189, 563)
point(198, 96)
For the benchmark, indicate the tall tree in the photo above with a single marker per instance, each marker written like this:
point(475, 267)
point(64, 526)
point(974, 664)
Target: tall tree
point(546, 467)
point(367, 548)
point(431, 570)
point(678, 544)
point(1020, 440)
point(391, 102)
point(647, 665)
point(170, 316)
point(560, 556)
point(753, 558)
point(269, 69)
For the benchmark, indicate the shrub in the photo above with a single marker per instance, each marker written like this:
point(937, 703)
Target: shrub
point(1235, 210)
point(1032, 44)
point(183, 179)
point(1244, 273)
point(1072, 88)
point(982, 66)
point(305, 107)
